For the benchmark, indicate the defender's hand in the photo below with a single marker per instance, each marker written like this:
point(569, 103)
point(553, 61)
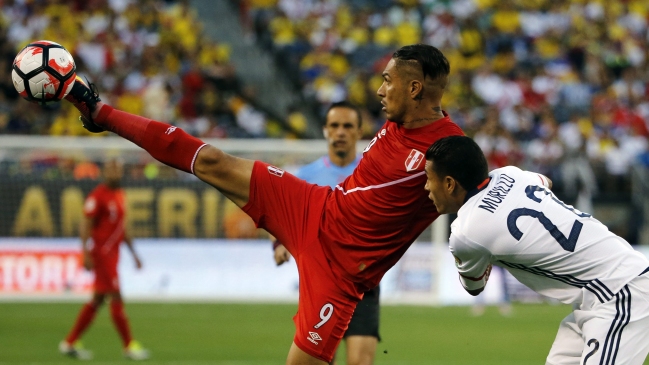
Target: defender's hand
point(281, 254)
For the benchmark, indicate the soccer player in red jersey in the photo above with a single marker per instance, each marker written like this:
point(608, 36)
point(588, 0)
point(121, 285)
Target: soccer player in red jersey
point(342, 129)
point(343, 240)
point(104, 223)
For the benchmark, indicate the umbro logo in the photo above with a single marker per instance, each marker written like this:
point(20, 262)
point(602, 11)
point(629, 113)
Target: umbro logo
point(314, 337)
point(275, 171)
point(171, 130)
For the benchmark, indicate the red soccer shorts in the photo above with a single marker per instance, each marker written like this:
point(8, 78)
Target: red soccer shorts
point(291, 209)
point(106, 278)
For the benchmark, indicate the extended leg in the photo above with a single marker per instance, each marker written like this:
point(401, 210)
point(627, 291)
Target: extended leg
point(168, 144)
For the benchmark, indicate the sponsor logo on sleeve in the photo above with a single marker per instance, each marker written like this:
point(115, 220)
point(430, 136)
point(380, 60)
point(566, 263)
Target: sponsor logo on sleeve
point(275, 171)
point(414, 160)
point(170, 130)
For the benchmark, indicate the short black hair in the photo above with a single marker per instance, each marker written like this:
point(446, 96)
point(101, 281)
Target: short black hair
point(460, 158)
point(432, 61)
point(344, 104)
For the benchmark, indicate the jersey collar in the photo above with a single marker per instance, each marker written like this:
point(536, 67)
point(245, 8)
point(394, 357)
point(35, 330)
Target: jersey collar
point(471, 193)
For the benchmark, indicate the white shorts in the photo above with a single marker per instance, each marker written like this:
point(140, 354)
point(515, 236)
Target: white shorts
point(615, 332)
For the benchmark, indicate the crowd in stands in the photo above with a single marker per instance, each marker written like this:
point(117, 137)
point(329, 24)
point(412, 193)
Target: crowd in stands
point(148, 57)
point(559, 87)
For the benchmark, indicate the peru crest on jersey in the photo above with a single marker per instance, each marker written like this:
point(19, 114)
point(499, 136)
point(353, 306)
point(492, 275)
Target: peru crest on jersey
point(414, 160)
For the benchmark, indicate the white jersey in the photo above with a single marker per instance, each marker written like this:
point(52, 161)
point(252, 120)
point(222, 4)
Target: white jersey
point(516, 222)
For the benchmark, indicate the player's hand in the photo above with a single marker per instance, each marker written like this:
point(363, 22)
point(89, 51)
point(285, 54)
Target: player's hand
point(138, 263)
point(487, 273)
point(281, 254)
point(88, 264)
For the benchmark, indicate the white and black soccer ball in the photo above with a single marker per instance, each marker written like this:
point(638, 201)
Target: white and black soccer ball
point(43, 72)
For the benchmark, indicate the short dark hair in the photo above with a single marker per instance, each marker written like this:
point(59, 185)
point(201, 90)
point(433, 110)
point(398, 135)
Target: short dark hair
point(344, 104)
point(430, 59)
point(460, 158)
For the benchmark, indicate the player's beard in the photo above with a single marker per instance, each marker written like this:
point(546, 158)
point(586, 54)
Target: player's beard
point(398, 120)
point(342, 154)
point(341, 149)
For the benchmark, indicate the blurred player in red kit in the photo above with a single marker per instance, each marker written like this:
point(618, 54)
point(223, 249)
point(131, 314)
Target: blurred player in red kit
point(104, 223)
point(343, 239)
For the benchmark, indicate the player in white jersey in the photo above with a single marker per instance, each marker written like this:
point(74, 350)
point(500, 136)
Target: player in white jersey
point(511, 218)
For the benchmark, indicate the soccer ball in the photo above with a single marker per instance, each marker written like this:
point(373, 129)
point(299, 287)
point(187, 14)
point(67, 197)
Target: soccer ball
point(43, 72)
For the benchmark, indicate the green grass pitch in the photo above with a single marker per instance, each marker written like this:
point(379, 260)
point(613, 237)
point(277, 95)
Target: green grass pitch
point(260, 334)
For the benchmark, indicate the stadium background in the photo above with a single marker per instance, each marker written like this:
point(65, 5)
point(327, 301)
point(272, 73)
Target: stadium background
point(555, 87)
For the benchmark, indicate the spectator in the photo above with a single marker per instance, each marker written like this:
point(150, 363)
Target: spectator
point(577, 173)
point(134, 50)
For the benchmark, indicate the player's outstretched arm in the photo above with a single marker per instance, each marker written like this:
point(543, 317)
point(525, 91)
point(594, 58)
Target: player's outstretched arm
point(167, 144)
point(472, 262)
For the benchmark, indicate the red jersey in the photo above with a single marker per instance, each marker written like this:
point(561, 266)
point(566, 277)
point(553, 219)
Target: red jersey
point(372, 217)
point(106, 207)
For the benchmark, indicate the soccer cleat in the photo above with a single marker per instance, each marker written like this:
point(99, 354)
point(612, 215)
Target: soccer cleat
point(84, 97)
point(75, 350)
point(134, 351)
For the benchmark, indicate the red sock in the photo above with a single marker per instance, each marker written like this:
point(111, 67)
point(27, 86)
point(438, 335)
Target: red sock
point(86, 315)
point(120, 320)
point(166, 143)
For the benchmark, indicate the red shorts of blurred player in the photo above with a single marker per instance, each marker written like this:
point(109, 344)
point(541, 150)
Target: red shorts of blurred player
point(291, 209)
point(106, 278)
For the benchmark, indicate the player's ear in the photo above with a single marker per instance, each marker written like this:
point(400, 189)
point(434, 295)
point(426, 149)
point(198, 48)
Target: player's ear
point(449, 183)
point(416, 90)
point(325, 133)
point(453, 185)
